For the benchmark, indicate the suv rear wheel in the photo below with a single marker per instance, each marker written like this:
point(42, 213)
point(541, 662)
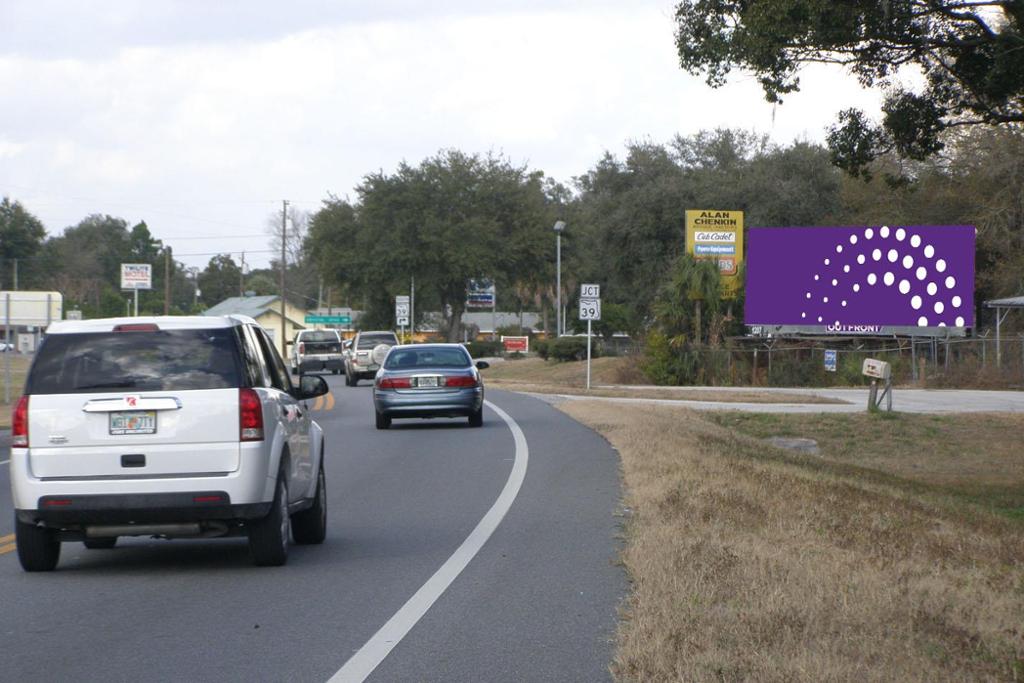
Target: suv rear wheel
point(268, 537)
point(38, 547)
point(310, 525)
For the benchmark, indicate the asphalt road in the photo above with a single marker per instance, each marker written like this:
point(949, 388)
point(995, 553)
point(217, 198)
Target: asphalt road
point(537, 602)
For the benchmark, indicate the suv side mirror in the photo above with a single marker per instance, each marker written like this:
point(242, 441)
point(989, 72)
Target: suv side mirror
point(290, 342)
point(311, 386)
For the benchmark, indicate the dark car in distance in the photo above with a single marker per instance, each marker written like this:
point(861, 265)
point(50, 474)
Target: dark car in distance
point(426, 381)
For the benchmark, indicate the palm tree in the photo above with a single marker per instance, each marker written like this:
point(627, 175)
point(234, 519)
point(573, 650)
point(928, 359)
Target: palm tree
point(692, 280)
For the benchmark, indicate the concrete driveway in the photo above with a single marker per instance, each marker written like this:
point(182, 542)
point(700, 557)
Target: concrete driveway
point(855, 400)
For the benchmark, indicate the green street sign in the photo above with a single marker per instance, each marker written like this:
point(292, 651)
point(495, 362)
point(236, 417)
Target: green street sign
point(329, 319)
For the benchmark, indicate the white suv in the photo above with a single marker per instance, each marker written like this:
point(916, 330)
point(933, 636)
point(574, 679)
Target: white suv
point(169, 427)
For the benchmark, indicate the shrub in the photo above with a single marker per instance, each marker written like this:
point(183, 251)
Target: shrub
point(542, 347)
point(481, 349)
point(571, 348)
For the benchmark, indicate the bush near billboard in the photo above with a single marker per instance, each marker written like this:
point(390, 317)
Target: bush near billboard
point(875, 280)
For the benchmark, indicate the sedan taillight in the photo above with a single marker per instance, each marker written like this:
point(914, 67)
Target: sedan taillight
point(250, 415)
point(19, 424)
point(460, 381)
point(394, 383)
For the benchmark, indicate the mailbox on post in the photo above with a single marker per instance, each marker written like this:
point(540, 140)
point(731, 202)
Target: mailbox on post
point(878, 370)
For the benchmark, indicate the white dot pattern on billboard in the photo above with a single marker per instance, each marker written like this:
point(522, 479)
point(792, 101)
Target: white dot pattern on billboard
point(860, 263)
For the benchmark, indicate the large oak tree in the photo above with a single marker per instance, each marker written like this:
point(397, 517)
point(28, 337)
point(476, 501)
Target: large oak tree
point(971, 53)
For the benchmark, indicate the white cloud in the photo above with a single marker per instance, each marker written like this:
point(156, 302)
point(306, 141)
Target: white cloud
point(203, 137)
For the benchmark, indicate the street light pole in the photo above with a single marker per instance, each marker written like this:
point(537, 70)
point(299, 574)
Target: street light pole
point(559, 323)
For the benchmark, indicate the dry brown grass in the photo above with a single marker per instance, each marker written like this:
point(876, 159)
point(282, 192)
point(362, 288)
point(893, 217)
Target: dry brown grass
point(974, 457)
point(751, 563)
point(752, 396)
point(611, 370)
point(19, 368)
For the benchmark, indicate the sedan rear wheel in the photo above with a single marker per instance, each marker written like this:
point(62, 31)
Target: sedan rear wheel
point(383, 421)
point(476, 418)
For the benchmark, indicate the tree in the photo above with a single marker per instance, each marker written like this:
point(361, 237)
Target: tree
point(454, 218)
point(971, 53)
point(632, 211)
point(21, 238)
point(219, 280)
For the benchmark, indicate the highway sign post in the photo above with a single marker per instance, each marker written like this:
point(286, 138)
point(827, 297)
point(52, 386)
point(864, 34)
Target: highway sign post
point(402, 312)
point(590, 310)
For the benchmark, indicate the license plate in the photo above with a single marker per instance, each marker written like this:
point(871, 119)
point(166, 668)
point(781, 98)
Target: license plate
point(426, 382)
point(133, 422)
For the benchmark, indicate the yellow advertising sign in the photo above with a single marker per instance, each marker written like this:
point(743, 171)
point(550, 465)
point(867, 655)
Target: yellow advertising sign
point(717, 235)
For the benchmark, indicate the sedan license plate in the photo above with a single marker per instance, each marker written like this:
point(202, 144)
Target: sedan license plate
point(425, 382)
point(133, 422)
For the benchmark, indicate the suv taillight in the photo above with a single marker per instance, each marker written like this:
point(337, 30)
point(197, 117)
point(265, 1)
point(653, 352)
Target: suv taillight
point(302, 348)
point(19, 424)
point(250, 415)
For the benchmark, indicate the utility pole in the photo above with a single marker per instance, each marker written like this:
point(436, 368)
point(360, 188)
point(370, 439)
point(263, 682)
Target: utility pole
point(167, 280)
point(284, 233)
point(15, 275)
point(412, 308)
point(241, 277)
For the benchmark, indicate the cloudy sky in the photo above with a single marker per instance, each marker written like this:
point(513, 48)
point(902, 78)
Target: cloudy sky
point(200, 117)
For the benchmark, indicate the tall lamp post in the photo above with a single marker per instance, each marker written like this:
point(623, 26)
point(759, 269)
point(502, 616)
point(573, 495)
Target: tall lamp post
point(559, 227)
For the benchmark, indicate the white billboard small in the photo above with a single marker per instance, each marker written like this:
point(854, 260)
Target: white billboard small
point(136, 276)
point(37, 309)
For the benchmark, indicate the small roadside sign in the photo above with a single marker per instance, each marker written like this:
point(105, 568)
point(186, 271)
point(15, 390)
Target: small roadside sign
point(590, 309)
point(830, 360)
point(590, 291)
point(402, 308)
point(402, 321)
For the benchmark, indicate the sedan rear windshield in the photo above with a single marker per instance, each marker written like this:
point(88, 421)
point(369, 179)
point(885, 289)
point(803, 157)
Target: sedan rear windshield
point(166, 360)
point(368, 341)
point(437, 357)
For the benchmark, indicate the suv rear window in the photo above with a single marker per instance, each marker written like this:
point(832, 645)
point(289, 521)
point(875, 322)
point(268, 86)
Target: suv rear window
point(368, 341)
point(167, 360)
point(318, 336)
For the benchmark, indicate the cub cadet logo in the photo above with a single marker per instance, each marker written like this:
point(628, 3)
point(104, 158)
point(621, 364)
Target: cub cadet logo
point(715, 236)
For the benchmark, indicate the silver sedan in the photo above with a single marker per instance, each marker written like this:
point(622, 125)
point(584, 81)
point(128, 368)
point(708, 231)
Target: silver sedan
point(429, 380)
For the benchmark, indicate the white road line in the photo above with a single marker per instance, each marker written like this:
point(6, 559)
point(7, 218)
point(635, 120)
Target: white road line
point(370, 655)
point(4, 462)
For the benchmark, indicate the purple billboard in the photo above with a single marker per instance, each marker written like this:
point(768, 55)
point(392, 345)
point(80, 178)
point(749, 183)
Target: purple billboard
point(864, 280)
